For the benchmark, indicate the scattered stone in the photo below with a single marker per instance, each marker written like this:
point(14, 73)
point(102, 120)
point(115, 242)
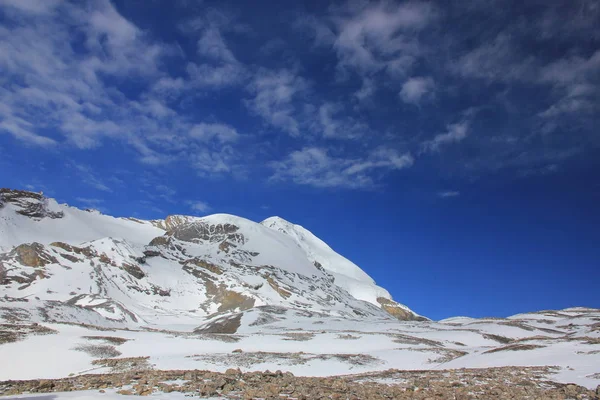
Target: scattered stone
point(488, 383)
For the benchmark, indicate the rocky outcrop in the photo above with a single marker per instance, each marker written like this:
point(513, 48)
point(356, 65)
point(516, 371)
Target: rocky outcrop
point(282, 292)
point(29, 204)
point(2, 273)
point(32, 255)
point(399, 312)
point(204, 265)
point(199, 231)
point(172, 221)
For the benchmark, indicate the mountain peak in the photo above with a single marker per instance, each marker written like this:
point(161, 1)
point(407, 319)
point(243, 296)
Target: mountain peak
point(121, 269)
point(346, 274)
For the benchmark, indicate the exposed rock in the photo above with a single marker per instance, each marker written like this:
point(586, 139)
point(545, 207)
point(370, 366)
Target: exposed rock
point(172, 221)
point(490, 383)
point(225, 246)
point(204, 264)
point(2, 273)
point(515, 347)
point(84, 251)
point(133, 270)
point(125, 364)
point(29, 204)
point(394, 309)
point(199, 231)
point(32, 255)
point(160, 241)
point(228, 324)
point(228, 300)
point(15, 332)
point(282, 292)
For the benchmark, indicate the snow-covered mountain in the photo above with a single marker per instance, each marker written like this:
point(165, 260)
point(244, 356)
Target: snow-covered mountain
point(62, 264)
point(82, 292)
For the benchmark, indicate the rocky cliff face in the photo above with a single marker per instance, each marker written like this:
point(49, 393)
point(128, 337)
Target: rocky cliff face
point(29, 204)
point(132, 272)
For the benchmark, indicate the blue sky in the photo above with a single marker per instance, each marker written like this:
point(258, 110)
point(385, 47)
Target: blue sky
point(451, 150)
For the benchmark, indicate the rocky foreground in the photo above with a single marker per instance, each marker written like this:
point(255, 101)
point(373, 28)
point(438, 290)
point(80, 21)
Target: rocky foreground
point(463, 384)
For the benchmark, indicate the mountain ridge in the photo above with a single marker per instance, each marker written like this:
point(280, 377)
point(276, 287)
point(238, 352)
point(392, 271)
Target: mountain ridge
point(194, 267)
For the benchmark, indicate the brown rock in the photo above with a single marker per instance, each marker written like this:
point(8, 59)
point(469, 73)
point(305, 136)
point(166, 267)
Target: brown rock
point(394, 309)
point(45, 385)
point(233, 371)
point(33, 255)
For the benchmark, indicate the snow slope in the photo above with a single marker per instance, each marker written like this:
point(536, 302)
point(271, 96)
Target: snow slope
point(314, 344)
point(76, 226)
point(347, 274)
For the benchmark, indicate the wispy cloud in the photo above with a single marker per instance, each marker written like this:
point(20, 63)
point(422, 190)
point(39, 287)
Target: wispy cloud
point(219, 132)
point(198, 206)
point(96, 204)
point(335, 124)
point(314, 166)
point(89, 177)
point(379, 36)
point(448, 194)
point(83, 77)
point(417, 89)
point(455, 133)
point(275, 94)
point(68, 94)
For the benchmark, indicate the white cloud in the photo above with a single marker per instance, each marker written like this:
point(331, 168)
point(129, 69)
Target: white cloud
point(381, 158)
point(89, 201)
point(454, 134)
point(218, 67)
point(380, 36)
point(73, 90)
point(275, 93)
point(165, 192)
point(575, 78)
point(208, 76)
point(198, 206)
point(220, 132)
point(320, 32)
point(366, 91)
point(67, 87)
point(89, 177)
point(416, 89)
point(570, 105)
point(22, 130)
point(496, 60)
point(211, 44)
point(215, 162)
point(334, 126)
point(448, 194)
point(31, 6)
point(570, 70)
point(313, 166)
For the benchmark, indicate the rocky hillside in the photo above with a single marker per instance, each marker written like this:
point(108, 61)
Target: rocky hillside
point(62, 264)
